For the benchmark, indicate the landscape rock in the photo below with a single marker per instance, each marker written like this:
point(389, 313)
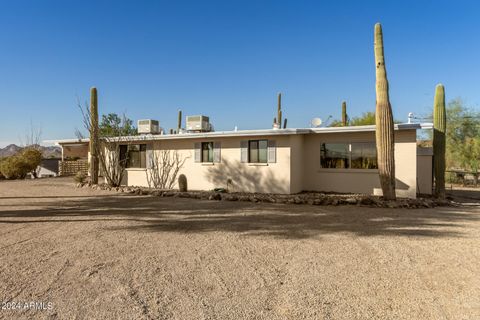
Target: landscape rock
point(310, 198)
point(215, 196)
point(351, 201)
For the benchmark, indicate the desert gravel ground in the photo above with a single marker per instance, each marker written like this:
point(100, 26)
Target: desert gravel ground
point(102, 255)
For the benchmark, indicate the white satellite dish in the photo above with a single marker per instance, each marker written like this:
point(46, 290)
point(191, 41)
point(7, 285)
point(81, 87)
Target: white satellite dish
point(316, 122)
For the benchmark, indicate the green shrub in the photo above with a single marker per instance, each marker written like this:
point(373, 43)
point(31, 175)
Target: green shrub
point(20, 164)
point(32, 158)
point(14, 167)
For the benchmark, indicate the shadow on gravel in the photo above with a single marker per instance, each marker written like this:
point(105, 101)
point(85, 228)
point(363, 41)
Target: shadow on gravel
point(465, 195)
point(152, 214)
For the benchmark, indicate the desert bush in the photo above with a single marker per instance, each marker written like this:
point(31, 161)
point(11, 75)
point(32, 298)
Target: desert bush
point(163, 168)
point(19, 165)
point(32, 158)
point(2, 176)
point(80, 177)
point(14, 167)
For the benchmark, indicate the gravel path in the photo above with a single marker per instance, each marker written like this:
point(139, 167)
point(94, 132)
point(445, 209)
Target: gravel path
point(101, 255)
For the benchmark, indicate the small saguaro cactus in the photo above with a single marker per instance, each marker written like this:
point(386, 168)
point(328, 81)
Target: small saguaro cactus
point(439, 129)
point(94, 143)
point(344, 113)
point(279, 110)
point(285, 123)
point(179, 122)
point(182, 183)
point(384, 133)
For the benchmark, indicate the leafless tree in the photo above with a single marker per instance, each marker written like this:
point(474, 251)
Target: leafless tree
point(33, 136)
point(79, 134)
point(163, 167)
point(32, 149)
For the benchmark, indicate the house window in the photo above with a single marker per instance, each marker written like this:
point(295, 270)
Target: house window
point(358, 155)
point(364, 156)
point(258, 151)
point(207, 151)
point(334, 155)
point(133, 155)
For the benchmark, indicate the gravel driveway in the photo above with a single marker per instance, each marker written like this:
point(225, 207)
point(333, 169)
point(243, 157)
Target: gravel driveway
point(83, 254)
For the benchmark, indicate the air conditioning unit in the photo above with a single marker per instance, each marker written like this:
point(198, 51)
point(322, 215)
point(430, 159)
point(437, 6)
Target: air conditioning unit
point(198, 123)
point(148, 126)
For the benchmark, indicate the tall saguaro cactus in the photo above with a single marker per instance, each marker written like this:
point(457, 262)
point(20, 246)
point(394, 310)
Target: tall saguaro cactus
point(439, 129)
point(344, 113)
point(179, 123)
point(384, 133)
point(94, 143)
point(279, 111)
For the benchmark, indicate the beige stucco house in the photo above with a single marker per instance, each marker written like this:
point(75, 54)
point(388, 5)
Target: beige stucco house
point(332, 159)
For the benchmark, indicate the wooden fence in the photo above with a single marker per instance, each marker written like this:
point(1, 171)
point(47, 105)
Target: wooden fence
point(70, 168)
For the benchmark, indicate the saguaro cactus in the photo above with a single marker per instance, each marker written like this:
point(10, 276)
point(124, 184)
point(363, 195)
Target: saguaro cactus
point(279, 111)
point(384, 133)
point(179, 123)
point(439, 128)
point(344, 113)
point(94, 143)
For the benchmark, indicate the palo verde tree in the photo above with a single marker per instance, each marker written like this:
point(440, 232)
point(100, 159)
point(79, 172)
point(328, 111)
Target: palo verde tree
point(384, 133)
point(367, 118)
point(113, 125)
point(439, 143)
point(463, 137)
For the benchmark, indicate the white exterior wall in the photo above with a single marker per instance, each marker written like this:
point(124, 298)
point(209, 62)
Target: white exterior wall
point(365, 181)
point(248, 177)
point(297, 158)
point(297, 166)
point(425, 170)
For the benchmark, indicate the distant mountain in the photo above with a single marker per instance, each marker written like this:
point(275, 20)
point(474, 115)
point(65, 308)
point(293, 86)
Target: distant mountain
point(9, 150)
point(48, 152)
point(51, 152)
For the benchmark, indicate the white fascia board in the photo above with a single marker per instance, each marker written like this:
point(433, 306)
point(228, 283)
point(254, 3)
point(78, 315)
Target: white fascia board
point(218, 134)
point(246, 133)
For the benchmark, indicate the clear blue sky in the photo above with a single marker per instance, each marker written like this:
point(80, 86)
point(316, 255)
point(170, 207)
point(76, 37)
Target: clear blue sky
point(227, 59)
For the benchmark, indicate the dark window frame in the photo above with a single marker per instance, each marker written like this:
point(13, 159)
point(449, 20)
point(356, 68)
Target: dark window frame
point(252, 158)
point(127, 157)
point(210, 156)
point(371, 165)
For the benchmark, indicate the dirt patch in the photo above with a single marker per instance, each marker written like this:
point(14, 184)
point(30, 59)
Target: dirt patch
point(108, 255)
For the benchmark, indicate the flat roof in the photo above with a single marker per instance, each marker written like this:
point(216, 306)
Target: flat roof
point(249, 133)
